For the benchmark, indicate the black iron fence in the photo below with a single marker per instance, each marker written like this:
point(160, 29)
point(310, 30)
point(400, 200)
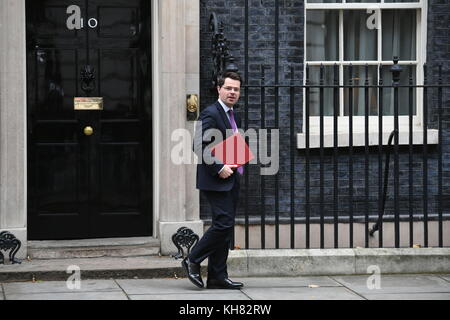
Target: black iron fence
point(360, 162)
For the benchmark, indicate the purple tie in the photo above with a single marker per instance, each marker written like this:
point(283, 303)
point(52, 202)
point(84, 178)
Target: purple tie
point(235, 129)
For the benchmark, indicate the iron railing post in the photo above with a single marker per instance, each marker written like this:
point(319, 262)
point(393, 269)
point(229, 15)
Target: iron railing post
point(307, 159)
point(396, 71)
point(440, 128)
point(293, 145)
point(425, 157)
point(380, 159)
point(350, 156)
point(321, 169)
point(366, 155)
point(335, 155)
point(411, 142)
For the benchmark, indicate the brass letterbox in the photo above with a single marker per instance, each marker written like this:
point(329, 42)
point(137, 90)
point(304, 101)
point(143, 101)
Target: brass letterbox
point(88, 103)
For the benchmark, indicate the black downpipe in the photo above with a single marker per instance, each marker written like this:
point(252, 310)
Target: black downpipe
point(386, 180)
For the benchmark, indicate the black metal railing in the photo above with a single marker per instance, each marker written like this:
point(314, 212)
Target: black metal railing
point(334, 186)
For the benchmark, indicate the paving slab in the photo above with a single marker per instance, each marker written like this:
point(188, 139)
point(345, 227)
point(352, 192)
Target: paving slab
point(158, 286)
point(395, 284)
point(301, 293)
point(56, 287)
point(70, 296)
point(409, 296)
point(393, 287)
point(280, 282)
point(207, 295)
point(184, 286)
point(445, 277)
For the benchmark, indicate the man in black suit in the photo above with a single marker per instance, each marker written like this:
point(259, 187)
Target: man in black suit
point(219, 183)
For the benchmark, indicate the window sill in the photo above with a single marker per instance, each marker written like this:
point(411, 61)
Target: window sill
point(359, 139)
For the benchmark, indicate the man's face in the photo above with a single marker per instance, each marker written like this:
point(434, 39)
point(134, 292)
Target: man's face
point(230, 91)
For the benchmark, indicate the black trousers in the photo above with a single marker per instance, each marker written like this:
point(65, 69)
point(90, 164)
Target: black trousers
point(215, 243)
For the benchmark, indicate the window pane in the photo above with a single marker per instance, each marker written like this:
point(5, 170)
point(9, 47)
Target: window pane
point(324, 1)
point(360, 42)
point(358, 94)
point(400, 1)
point(322, 40)
point(399, 34)
point(403, 93)
point(314, 93)
point(363, 1)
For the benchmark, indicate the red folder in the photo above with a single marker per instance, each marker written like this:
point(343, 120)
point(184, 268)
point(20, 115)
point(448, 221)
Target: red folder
point(233, 151)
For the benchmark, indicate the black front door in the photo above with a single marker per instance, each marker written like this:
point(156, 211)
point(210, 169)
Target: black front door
point(89, 171)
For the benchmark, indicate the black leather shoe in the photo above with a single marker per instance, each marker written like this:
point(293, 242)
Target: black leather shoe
point(223, 284)
point(193, 272)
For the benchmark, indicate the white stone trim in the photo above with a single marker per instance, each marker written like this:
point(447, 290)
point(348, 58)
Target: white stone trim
point(156, 57)
point(176, 73)
point(13, 121)
point(359, 139)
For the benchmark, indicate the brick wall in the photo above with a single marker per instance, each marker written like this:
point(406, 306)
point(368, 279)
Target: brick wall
point(438, 52)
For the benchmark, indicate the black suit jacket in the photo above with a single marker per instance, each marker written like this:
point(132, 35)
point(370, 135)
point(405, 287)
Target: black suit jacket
point(212, 128)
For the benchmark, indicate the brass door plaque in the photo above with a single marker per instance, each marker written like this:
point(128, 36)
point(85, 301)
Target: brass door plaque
point(88, 103)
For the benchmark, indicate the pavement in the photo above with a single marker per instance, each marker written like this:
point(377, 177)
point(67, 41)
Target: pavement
point(268, 275)
point(339, 287)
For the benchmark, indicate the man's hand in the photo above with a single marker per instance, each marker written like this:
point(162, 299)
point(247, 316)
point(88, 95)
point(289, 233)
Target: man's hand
point(227, 171)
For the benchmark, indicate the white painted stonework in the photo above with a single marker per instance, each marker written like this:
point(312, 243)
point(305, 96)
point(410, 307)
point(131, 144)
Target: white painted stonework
point(176, 54)
point(13, 163)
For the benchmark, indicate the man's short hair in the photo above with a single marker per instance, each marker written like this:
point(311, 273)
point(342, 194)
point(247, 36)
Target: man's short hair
point(228, 74)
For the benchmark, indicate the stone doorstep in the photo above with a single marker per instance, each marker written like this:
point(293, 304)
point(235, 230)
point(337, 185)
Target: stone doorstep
point(91, 248)
point(92, 252)
point(36, 244)
point(93, 268)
